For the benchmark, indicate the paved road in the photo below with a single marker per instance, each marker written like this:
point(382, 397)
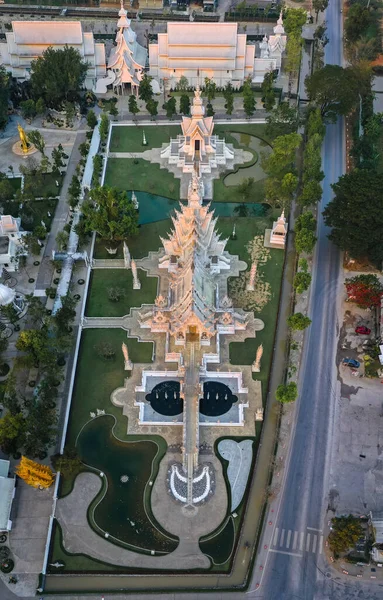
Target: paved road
point(295, 567)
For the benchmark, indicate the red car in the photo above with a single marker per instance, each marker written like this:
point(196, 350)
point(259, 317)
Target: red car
point(363, 330)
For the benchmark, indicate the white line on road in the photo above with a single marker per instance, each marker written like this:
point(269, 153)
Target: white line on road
point(282, 537)
point(301, 541)
point(295, 540)
point(275, 540)
point(288, 539)
point(308, 542)
point(320, 544)
point(284, 552)
point(314, 543)
point(314, 529)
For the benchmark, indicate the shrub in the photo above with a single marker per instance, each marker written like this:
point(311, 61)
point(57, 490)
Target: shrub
point(302, 281)
point(305, 241)
point(298, 321)
point(287, 392)
point(345, 533)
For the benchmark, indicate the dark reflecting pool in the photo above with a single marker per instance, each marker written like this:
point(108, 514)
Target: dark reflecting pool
point(217, 399)
point(127, 467)
point(165, 398)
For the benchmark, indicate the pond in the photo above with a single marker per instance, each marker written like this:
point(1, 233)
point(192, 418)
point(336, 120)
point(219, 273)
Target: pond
point(153, 208)
point(255, 170)
point(165, 398)
point(220, 547)
point(217, 399)
point(128, 468)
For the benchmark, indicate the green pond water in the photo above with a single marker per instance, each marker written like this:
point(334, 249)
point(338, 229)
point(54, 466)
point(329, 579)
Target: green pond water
point(121, 512)
point(255, 170)
point(156, 208)
point(220, 547)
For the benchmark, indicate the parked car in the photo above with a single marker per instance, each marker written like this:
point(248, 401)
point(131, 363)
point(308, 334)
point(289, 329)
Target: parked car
point(363, 330)
point(351, 362)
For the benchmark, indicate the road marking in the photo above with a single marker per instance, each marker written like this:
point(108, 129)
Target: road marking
point(275, 540)
point(295, 540)
point(320, 544)
point(301, 541)
point(284, 552)
point(314, 543)
point(314, 529)
point(308, 542)
point(288, 539)
point(282, 537)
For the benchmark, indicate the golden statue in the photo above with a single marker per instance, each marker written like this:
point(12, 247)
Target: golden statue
point(23, 139)
point(35, 474)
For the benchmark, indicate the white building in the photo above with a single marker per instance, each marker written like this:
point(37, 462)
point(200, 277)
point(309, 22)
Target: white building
point(11, 245)
point(7, 493)
point(29, 39)
point(271, 50)
point(199, 50)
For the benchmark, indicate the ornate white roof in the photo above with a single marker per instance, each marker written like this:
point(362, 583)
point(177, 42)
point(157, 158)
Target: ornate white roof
point(197, 122)
point(7, 295)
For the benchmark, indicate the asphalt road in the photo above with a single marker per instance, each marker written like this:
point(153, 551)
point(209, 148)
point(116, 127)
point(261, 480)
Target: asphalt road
point(296, 568)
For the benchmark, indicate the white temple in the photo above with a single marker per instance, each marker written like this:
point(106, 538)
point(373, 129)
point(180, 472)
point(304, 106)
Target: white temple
point(197, 142)
point(271, 50)
point(29, 39)
point(11, 242)
point(199, 50)
point(127, 59)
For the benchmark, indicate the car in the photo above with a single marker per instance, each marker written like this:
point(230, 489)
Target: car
point(362, 329)
point(351, 362)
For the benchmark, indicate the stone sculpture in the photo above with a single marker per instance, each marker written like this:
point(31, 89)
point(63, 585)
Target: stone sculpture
point(136, 281)
point(128, 366)
point(251, 283)
point(256, 366)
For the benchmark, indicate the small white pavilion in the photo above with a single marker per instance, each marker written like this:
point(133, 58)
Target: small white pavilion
point(271, 51)
point(128, 58)
point(197, 142)
point(276, 237)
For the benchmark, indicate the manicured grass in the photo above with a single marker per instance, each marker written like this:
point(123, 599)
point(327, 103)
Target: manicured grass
point(147, 240)
point(48, 186)
point(129, 139)
point(99, 305)
point(243, 353)
point(15, 183)
point(141, 175)
point(96, 378)
point(257, 129)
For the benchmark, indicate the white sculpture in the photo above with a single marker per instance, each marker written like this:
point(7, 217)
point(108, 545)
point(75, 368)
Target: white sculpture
point(127, 258)
point(128, 366)
point(144, 142)
point(136, 281)
point(279, 232)
point(100, 412)
point(92, 415)
point(259, 414)
point(251, 283)
point(256, 366)
point(135, 201)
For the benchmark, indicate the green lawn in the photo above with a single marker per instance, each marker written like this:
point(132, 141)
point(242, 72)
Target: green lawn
point(129, 138)
point(143, 176)
point(243, 353)
point(48, 186)
point(96, 378)
point(147, 240)
point(98, 303)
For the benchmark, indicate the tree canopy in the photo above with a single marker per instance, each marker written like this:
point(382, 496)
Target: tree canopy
point(365, 290)
point(334, 90)
point(345, 533)
point(58, 75)
point(355, 214)
point(286, 393)
point(110, 213)
point(4, 96)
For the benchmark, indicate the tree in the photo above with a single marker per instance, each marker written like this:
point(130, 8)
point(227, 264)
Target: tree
point(245, 188)
point(28, 109)
point(184, 104)
point(170, 107)
point(311, 193)
point(133, 108)
point(40, 106)
point(286, 393)
point(58, 76)
point(58, 158)
point(65, 315)
point(319, 6)
point(293, 54)
point(35, 343)
point(69, 463)
point(228, 94)
point(305, 241)
point(115, 294)
point(182, 84)
point(210, 110)
point(298, 321)
point(152, 107)
point(37, 139)
point(356, 23)
point(104, 127)
point(145, 91)
point(105, 350)
point(110, 213)
point(74, 191)
point(210, 88)
point(294, 19)
point(113, 110)
point(267, 88)
point(344, 534)
point(249, 103)
point(4, 96)
point(91, 119)
point(31, 243)
point(10, 313)
point(283, 119)
point(355, 215)
point(306, 221)
point(365, 290)
point(302, 281)
point(12, 432)
point(37, 312)
point(282, 158)
point(6, 189)
point(334, 90)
